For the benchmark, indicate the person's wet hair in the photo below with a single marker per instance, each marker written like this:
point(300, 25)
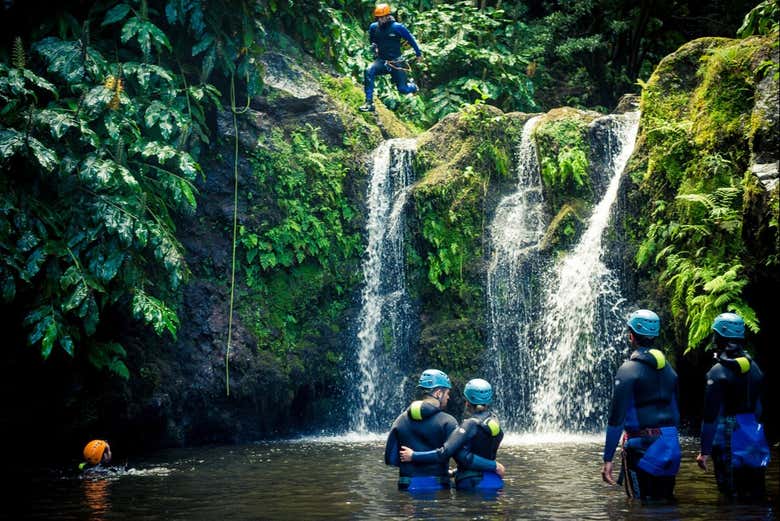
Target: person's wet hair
point(643, 341)
point(727, 344)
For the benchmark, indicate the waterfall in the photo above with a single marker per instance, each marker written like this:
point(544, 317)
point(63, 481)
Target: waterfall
point(385, 315)
point(582, 321)
point(515, 234)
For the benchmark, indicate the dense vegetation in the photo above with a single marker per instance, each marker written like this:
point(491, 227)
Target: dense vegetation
point(517, 55)
point(699, 142)
point(110, 114)
point(101, 130)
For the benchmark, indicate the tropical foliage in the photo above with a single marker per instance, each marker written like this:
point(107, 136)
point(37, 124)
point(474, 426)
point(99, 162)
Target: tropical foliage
point(98, 146)
point(696, 154)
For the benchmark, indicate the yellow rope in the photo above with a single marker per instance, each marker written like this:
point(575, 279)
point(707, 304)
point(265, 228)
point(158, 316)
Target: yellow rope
point(234, 111)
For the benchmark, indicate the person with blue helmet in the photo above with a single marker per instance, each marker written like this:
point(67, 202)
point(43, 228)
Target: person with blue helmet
point(644, 404)
point(385, 35)
point(473, 445)
point(423, 426)
point(731, 433)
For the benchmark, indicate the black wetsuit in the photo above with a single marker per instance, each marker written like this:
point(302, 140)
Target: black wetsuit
point(645, 404)
point(423, 426)
point(474, 445)
point(732, 401)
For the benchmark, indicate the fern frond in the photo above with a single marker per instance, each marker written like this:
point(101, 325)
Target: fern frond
point(18, 58)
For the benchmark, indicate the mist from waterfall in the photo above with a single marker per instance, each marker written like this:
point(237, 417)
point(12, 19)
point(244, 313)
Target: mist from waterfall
point(385, 317)
point(515, 234)
point(556, 324)
point(582, 327)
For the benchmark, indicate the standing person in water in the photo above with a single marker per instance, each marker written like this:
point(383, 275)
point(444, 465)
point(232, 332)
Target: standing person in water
point(645, 404)
point(385, 35)
point(423, 426)
point(473, 445)
point(730, 431)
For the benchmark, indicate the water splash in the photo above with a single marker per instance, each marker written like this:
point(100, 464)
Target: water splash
point(516, 232)
point(385, 317)
point(582, 322)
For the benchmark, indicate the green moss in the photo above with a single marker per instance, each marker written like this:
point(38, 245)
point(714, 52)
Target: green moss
point(350, 97)
point(465, 166)
point(453, 343)
point(566, 226)
point(562, 144)
point(722, 102)
point(299, 248)
point(694, 147)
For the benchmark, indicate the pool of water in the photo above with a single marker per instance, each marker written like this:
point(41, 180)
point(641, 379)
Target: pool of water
point(344, 477)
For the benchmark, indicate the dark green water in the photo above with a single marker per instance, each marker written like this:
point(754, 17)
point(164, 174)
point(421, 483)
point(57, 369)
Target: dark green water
point(345, 478)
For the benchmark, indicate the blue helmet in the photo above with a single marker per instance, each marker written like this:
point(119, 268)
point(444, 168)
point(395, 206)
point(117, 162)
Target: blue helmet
point(644, 322)
point(433, 378)
point(478, 392)
point(729, 325)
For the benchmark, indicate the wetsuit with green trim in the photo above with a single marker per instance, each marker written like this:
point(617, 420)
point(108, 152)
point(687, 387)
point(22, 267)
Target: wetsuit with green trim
point(422, 426)
point(473, 445)
point(730, 431)
point(386, 40)
point(644, 403)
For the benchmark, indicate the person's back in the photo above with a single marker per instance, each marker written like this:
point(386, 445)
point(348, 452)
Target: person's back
point(485, 435)
point(648, 390)
point(738, 379)
point(422, 426)
point(644, 403)
point(731, 431)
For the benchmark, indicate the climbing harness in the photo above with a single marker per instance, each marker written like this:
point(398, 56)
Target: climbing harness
point(235, 111)
point(400, 64)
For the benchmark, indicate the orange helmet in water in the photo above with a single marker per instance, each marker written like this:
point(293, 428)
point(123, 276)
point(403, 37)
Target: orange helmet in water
point(381, 10)
point(93, 452)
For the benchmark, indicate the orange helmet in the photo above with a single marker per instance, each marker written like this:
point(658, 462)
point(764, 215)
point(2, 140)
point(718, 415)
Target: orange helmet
point(381, 10)
point(93, 452)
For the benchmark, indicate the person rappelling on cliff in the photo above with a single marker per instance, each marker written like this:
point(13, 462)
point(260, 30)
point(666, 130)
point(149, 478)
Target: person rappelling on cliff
point(385, 35)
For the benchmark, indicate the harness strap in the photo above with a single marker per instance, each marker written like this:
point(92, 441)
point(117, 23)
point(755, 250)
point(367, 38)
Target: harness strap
point(466, 474)
point(642, 433)
point(394, 64)
point(744, 364)
point(415, 410)
point(660, 359)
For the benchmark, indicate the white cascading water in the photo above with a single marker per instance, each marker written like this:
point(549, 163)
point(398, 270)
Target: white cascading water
point(384, 319)
point(515, 234)
point(581, 324)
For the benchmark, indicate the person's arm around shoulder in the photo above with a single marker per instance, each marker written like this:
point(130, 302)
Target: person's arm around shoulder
point(454, 442)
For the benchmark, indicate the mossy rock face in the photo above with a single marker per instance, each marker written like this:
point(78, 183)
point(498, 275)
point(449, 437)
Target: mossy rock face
point(563, 148)
point(677, 72)
point(565, 227)
point(696, 212)
point(465, 165)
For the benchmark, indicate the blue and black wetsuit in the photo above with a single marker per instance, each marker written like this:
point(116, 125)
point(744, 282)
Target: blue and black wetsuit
point(386, 39)
point(473, 445)
point(730, 430)
point(645, 405)
point(422, 426)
